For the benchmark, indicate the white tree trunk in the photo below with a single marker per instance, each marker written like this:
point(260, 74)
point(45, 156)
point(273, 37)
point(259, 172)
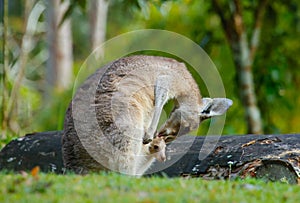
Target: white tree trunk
point(98, 17)
point(244, 63)
point(243, 54)
point(60, 63)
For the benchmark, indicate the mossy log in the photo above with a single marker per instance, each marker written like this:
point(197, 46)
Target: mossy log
point(272, 157)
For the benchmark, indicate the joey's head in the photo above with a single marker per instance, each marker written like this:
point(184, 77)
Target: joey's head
point(157, 148)
point(213, 107)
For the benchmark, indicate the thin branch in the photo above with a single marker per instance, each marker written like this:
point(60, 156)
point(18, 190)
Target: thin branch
point(258, 20)
point(238, 18)
point(259, 13)
point(238, 6)
point(24, 51)
point(226, 23)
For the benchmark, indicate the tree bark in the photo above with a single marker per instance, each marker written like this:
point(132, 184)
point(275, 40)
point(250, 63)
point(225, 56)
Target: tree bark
point(60, 63)
point(98, 16)
point(272, 157)
point(243, 55)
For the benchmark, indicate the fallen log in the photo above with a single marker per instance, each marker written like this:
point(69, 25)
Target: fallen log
point(272, 157)
point(36, 149)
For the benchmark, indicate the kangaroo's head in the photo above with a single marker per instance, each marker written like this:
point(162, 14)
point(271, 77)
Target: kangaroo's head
point(213, 107)
point(181, 122)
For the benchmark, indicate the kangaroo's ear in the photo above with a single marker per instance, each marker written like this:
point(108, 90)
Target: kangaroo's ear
point(214, 107)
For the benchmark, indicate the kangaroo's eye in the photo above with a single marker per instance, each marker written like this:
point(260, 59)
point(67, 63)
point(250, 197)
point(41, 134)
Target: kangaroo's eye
point(155, 147)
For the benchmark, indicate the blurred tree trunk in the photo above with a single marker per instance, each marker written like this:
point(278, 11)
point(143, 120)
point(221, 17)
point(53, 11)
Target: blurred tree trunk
point(243, 53)
point(4, 68)
point(98, 16)
point(60, 62)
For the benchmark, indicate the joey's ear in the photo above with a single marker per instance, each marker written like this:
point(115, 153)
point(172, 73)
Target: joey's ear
point(214, 107)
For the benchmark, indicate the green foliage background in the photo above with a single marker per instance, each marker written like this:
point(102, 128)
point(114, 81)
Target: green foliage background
point(276, 66)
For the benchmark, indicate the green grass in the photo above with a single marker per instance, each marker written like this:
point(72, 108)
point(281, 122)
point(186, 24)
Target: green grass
point(121, 188)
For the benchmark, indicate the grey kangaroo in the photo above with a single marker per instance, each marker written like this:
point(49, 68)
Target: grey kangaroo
point(115, 128)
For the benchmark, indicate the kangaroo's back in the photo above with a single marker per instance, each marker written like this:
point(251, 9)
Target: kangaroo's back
point(125, 95)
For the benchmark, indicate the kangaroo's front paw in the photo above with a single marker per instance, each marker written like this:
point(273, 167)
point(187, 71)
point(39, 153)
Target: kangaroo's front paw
point(166, 132)
point(169, 138)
